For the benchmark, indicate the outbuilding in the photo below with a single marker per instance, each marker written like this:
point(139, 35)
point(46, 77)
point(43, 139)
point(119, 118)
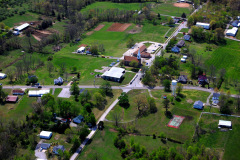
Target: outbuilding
point(3, 75)
point(198, 105)
point(81, 50)
point(58, 81)
point(175, 49)
point(183, 60)
point(225, 124)
point(114, 74)
point(37, 93)
point(185, 57)
point(236, 23)
point(181, 43)
point(45, 145)
point(203, 25)
point(45, 135)
point(12, 99)
point(232, 32)
point(182, 79)
point(17, 92)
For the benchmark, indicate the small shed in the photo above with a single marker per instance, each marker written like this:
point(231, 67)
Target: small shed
point(45, 145)
point(232, 32)
point(183, 60)
point(17, 92)
point(79, 119)
point(57, 148)
point(3, 75)
point(225, 124)
point(81, 50)
point(185, 57)
point(198, 105)
point(46, 135)
point(181, 43)
point(236, 23)
point(203, 25)
point(12, 99)
point(175, 49)
point(187, 37)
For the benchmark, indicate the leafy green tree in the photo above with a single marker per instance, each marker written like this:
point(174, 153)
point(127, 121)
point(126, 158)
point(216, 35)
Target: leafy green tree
point(46, 98)
point(99, 100)
point(166, 104)
point(152, 105)
point(179, 88)
point(85, 97)
point(106, 89)
point(130, 42)
point(75, 145)
point(167, 85)
point(91, 119)
point(134, 64)
point(170, 20)
point(149, 79)
point(74, 89)
point(3, 95)
point(33, 80)
point(123, 100)
point(83, 133)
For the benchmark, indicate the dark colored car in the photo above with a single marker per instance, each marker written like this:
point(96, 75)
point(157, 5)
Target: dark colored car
point(39, 86)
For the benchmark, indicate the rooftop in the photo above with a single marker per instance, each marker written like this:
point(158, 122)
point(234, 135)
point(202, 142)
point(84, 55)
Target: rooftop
point(115, 72)
point(129, 58)
point(11, 98)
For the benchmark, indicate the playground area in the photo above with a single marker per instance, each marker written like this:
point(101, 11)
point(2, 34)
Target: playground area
point(176, 121)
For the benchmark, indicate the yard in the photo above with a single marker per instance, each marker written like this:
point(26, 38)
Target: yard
point(156, 123)
point(224, 141)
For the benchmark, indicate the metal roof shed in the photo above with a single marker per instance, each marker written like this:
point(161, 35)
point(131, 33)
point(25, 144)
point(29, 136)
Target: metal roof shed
point(3, 75)
point(45, 135)
point(23, 26)
point(224, 124)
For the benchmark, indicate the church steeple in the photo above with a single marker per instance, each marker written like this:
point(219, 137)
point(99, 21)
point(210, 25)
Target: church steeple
point(139, 54)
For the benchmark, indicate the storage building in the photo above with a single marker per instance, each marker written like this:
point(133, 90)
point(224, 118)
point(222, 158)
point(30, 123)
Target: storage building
point(203, 25)
point(225, 124)
point(37, 93)
point(12, 99)
point(198, 105)
point(114, 74)
point(45, 135)
point(3, 75)
point(17, 92)
point(232, 32)
point(81, 50)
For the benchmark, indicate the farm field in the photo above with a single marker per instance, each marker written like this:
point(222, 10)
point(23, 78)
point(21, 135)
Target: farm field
point(156, 123)
point(110, 5)
point(169, 9)
point(224, 141)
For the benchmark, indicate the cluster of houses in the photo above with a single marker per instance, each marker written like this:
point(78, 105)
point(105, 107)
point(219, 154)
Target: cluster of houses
point(233, 31)
point(180, 44)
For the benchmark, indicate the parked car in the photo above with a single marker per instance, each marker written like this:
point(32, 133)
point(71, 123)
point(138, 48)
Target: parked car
point(102, 56)
point(39, 86)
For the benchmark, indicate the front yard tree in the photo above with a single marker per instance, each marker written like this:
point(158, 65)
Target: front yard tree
point(3, 95)
point(74, 89)
point(99, 100)
point(152, 105)
point(50, 67)
point(167, 85)
point(106, 89)
point(179, 88)
point(170, 20)
point(183, 15)
point(123, 100)
point(84, 133)
point(33, 80)
point(116, 117)
point(11, 72)
point(142, 105)
point(166, 104)
point(148, 79)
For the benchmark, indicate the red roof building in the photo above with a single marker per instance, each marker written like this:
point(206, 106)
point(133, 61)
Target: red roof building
point(129, 59)
point(12, 99)
point(143, 52)
point(17, 92)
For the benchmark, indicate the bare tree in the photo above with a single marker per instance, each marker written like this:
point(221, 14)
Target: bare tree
point(66, 76)
point(116, 118)
point(19, 66)
point(142, 105)
point(212, 70)
point(27, 63)
point(222, 73)
point(50, 67)
point(10, 71)
point(62, 67)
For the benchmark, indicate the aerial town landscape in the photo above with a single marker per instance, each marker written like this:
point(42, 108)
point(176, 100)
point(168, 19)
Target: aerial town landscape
point(119, 79)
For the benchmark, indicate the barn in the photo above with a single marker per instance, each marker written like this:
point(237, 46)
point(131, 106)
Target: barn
point(45, 135)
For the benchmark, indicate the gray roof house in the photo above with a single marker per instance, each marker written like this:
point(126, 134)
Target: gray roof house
point(58, 81)
point(181, 43)
point(45, 145)
point(182, 79)
point(198, 105)
point(56, 148)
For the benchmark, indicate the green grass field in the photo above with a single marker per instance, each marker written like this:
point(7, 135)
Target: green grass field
point(169, 9)
point(101, 146)
point(156, 123)
point(238, 35)
point(110, 5)
point(224, 141)
point(184, 30)
point(20, 18)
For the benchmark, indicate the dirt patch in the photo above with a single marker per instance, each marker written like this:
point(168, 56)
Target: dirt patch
point(119, 27)
point(190, 101)
point(99, 27)
point(83, 45)
point(112, 130)
point(57, 137)
point(188, 118)
point(181, 5)
point(89, 33)
point(39, 35)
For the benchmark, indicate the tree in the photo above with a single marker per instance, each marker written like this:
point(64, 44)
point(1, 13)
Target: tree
point(99, 100)
point(130, 42)
point(11, 72)
point(46, 98)
point(83, 133)
point(152, 105)
point(3, 95)
point(91, 119)
point(94, 49)
point(179, 88)
point(123, 100)
point(33, 80)
point(133, 64)
point(106, 89)
point(50, 67)
point(159, 16)
point(142, 105)
point(190, 21)
point(183, 15)
point(59, 17)
point(75, 145)
point(170, 20)
point(116, 117)
point(166, 104)
point(167, 85)
point(85, 97)
point(149, 79)
point(74, 89)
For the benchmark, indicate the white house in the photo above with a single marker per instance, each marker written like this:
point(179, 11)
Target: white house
point(184, 57)
point(232, 32)
point(22, 27)
point(3, 75)
point(225, 124)
point(45, 135)
point(37, 93)
point(204, 25)
point(81, 50)
point(114, 74)
point(183, 60)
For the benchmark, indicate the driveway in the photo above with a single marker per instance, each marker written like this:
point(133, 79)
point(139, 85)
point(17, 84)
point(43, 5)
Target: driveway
point(65, 93)
point(39, 154)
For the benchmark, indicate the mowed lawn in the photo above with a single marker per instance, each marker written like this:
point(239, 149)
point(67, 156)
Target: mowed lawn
point(157, 123)
point(110, 5)
point(101, 146)
point(169, 9)
point(214, 138)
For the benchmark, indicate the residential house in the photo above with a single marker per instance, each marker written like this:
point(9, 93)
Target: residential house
point(232, 32)
point(215, 98)
point(58, 81)
point(17, 92)
point(57, 148)
point(203, 25)
point(37, 93)
point(181, 43)
point(45, 135)
point(198, 105)
point(175, 49)
point(45, 145)
point(3, 75)
point(79, 119)
point(12, 99)
point(236, 23)
point(202, 80)
point(182, 79)
point(114, 74)
point(225, 124)
point(187, 37)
